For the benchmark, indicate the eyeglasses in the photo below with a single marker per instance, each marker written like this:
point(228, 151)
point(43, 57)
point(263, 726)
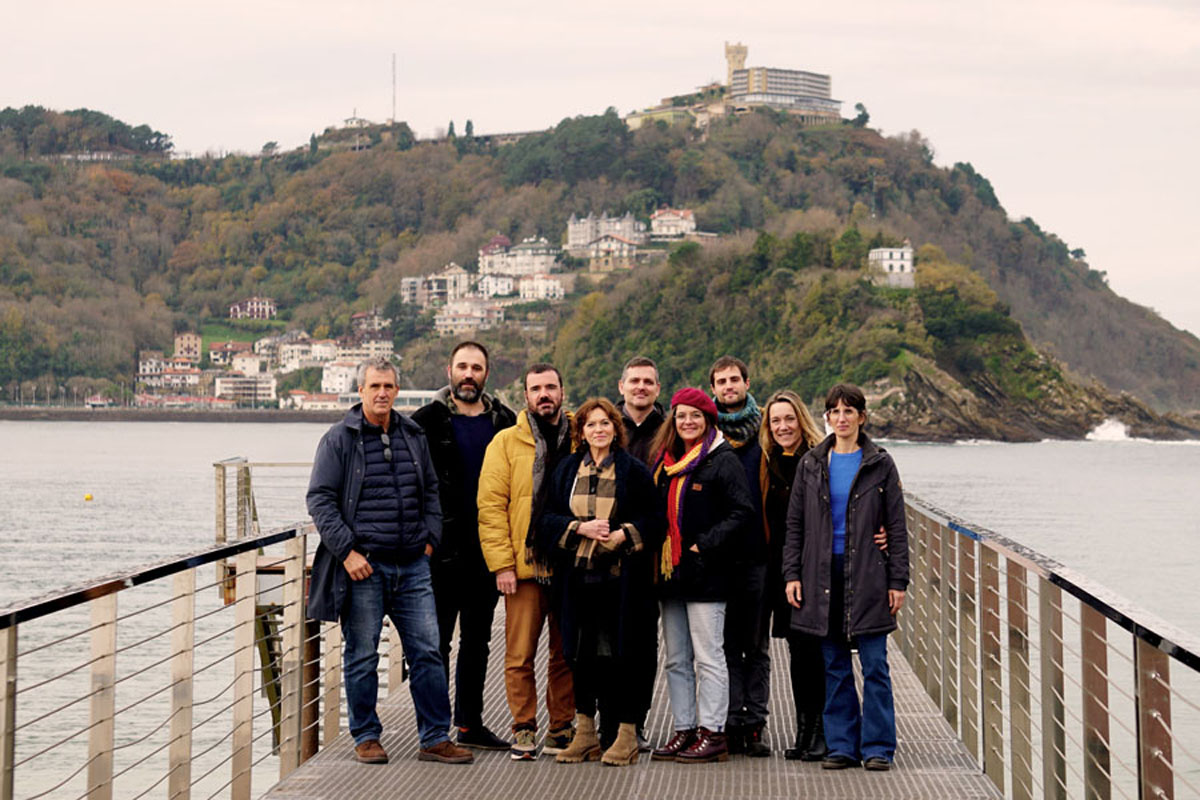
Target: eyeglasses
point(387, 446)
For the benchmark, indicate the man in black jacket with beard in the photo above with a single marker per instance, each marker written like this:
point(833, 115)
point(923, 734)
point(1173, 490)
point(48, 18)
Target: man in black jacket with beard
point(459, 424)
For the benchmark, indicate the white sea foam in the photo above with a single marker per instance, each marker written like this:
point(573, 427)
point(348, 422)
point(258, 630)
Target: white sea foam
point(1111, 430)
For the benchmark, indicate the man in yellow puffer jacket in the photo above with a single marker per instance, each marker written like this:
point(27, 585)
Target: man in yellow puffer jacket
point(516, 474)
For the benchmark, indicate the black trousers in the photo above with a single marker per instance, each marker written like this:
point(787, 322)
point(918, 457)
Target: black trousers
point(747, 647)
point(466, 593)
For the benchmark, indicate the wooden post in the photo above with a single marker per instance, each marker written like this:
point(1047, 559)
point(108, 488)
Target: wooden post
point(243, 500)
point(222, 531)
point(103, 704)
point(291, 652)
point(989, 645)
point(1153, 721)
point(1018, 682)
point(920, 596)
point(968, 651)
point(1097, 765)
point(332, 723)
point(183, 644)
point(310, 741)
point(906, 620)
point(935, 679)
point(243, 675)
point(8, 710)
point(1054, 732)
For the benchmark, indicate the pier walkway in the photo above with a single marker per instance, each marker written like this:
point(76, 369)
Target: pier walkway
point(931, 761)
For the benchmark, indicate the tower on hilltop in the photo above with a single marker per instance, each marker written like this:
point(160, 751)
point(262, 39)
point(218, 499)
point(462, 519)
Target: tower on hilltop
point(735, 58)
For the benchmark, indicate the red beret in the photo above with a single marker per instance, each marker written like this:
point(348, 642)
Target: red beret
point(696, 399)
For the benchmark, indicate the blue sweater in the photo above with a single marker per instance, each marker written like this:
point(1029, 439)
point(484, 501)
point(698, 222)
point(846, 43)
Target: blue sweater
point(842, 469)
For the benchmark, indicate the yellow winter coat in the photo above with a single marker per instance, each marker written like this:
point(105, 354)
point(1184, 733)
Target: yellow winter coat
point(506, 497)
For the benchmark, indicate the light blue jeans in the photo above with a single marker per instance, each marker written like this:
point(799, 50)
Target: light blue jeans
point(697, 675)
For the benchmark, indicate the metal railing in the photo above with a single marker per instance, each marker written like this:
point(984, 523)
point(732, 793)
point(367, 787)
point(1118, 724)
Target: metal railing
point(117, 687)
point(1057, 687)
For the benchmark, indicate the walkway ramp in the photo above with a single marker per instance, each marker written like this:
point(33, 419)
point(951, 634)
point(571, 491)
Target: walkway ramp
point(931, 763)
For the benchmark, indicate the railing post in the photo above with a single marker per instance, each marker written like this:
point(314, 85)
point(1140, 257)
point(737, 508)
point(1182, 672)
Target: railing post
point(8, 710)
point(918, 565)
point(291, 653)
point(1153, 667)
point(104, 697)
point(1097, 765)
point(906, 619)
point(183, 644)
point(332, 723)
point(310, 694)
point(935, 679)
point(950, 602)
point(1019, 699)
point(395, 656)
point(1054, 732)
point(243, 500)
point(989, 642)
point(243, 675)
point(221, 528)
point(969, 688)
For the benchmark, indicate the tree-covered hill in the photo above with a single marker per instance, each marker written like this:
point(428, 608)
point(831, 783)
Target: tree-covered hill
point(100, 260)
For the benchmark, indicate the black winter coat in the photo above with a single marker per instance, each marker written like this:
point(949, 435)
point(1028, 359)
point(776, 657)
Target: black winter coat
point(716, 510)
point(460, 514)
point(636, 503)
point(334, 488)
point(875, 499)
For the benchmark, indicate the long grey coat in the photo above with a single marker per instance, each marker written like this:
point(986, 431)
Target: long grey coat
point(875, 499)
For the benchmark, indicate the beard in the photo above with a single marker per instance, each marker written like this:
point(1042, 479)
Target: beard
point(546, 416)
point(466, 390)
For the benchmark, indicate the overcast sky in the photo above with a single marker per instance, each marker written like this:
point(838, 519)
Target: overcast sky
point(1082, 113)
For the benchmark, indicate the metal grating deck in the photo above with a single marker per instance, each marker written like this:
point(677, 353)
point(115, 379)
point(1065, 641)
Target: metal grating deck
point(930, 762)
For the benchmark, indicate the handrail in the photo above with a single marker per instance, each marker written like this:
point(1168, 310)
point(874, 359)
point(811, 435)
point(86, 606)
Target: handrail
point(64, 599)
point(1141, 623)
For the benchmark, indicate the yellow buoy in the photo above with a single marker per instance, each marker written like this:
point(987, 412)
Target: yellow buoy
point(87, 497)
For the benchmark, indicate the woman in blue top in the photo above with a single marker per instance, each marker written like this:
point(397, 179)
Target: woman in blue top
point(842, 587)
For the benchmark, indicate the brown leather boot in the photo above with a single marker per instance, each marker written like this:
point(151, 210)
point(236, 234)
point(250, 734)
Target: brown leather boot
point(624, 750)
point(709, 746)
point(675, 745)
point(586, 744)
point(370, 752)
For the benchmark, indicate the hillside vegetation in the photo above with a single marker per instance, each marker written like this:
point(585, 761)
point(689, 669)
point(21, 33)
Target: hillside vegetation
point(100, 260)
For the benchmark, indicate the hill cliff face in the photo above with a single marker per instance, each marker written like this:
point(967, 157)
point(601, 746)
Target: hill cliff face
point(98, 261)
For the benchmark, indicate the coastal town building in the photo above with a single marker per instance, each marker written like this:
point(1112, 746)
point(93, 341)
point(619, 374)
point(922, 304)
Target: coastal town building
point(187, 345)
point(220, 354)
point(895, 264)
point(254, 308)
point(533, 256)
point(672, 223)
point(249, 363)
point(366, 321)
point(324, 350)
point(256, 389)
point(610, 252)
point(436, 289)
point(496, 285)
point(582, 232)
point(471, 314)
point(150, 363)
point(541, 287)
point(361, 348)
point(338, 377)
point(798, 92)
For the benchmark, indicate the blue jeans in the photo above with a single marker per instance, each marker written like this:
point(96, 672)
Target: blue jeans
point(849, 731)
point(405, 593)
point(693, 633)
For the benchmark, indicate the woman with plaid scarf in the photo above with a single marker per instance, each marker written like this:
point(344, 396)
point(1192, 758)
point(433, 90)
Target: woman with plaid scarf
point(603, 526)
point(708, 502)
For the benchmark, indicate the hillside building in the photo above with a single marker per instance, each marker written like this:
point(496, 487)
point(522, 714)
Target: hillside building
point(610, 252)
point(533, 256)
point(361, 348)
point(220, 354)
point(249, 363)
point(187, 345)
point(672, 223)
point(254, 308)
point(804, 94)
point(472, 314)
point(583, 232)
point(339, 377)
point(541, 287)
point(496, 285)
point(895, 264)
point(254, 389)
point(366, 321)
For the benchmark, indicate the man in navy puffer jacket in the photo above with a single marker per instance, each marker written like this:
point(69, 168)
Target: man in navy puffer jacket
point(373, 497)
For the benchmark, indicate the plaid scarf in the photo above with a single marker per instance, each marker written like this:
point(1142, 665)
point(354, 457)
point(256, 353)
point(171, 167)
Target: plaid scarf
point(680, 473)
point(594, 496)
point(740, 427)
point(546, 455)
